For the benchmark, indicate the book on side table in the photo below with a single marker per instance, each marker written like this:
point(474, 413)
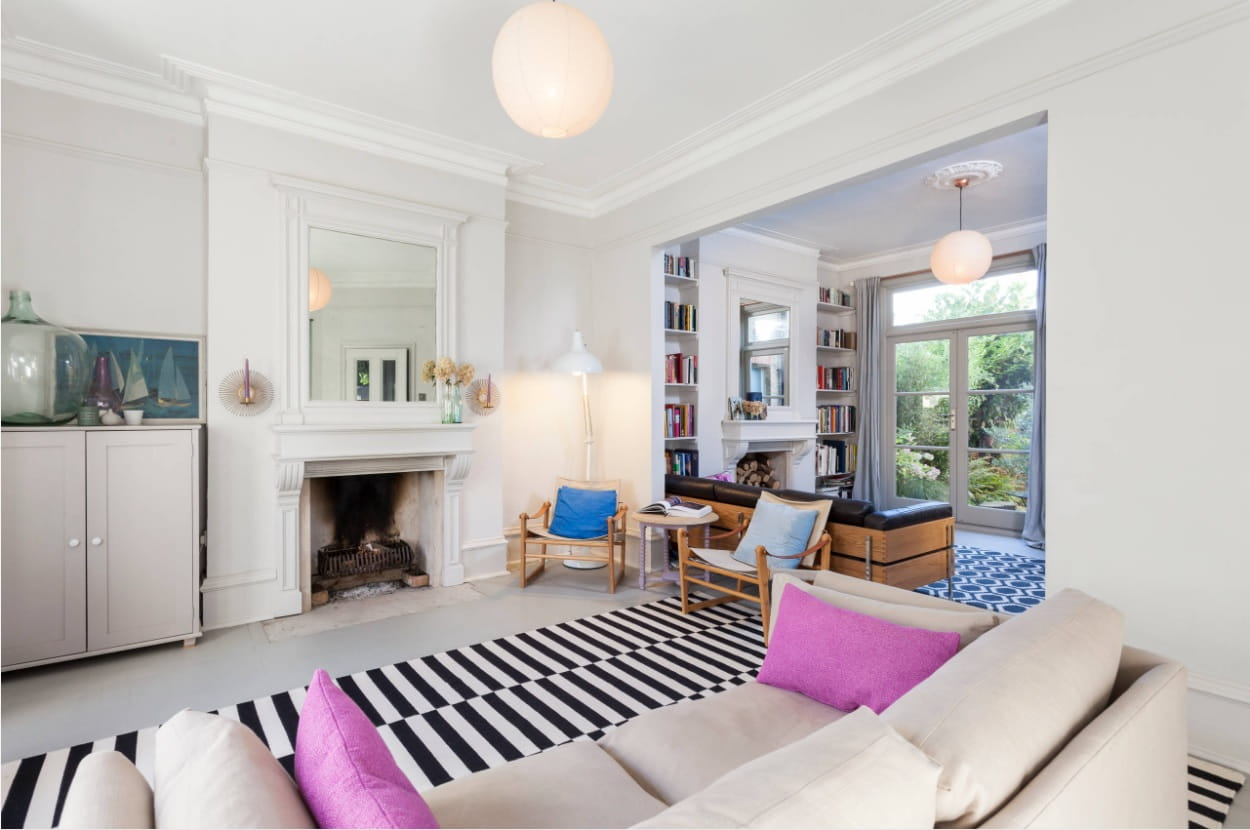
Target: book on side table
point(675, 507)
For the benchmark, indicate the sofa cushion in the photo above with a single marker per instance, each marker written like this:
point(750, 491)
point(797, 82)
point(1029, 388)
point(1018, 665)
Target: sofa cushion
point(888, 593)
point(998, 711)
point(211, 771)
point(108, 791)
point(781, 529)
point(968, 624)
point(344, 769)
point(713, 735)
point(845, 659)
point(912, 514)
point(574, 785)
point(856, 772)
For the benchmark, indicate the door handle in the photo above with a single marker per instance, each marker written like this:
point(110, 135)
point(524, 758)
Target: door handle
point(75, 542)
point(952, 422)
point(96, 541)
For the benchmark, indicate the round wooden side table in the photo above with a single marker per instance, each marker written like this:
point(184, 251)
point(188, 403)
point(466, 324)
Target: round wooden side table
point(665, 524)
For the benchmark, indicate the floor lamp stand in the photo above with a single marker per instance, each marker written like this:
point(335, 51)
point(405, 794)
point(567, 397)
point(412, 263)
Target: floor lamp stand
point(590, 443)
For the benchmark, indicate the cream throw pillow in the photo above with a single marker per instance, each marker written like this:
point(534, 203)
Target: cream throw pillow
point(968, 626)
point(108, 791)
point(998, 711)
point(214, 772)
point(855, 772)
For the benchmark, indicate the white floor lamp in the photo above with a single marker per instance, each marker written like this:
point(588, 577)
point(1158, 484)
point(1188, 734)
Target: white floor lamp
point(579, 361)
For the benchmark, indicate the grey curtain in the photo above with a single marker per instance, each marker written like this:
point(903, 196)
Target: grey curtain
point(871, 337)
point(1035, 512)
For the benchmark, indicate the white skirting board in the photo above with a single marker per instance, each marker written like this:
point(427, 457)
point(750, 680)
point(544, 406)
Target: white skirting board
point(1219, 721)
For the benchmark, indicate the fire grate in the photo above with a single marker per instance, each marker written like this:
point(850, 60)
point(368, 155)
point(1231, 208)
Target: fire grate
point(367, 557)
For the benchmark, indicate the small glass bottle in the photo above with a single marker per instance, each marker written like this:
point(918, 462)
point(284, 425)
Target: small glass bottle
point(101, 394)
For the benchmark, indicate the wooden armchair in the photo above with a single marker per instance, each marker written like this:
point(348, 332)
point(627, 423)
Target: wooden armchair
point(711, 560)
point(612, 542)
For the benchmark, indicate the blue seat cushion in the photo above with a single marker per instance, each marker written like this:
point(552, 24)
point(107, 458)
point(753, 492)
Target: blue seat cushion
point(582, 514)
point(781, 529)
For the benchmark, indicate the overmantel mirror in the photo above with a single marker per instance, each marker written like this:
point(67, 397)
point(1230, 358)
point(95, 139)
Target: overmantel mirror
point(371, 282)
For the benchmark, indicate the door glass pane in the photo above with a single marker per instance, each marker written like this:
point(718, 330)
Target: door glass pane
point(922, 366)
point(992, 294)
point(1002, 421)
point(1001, 361)
point(998, 480)
point(771, 325)
point(388, 380)
point(923, 474)
point(362, 380)
point(923, 420)
point(766, 374)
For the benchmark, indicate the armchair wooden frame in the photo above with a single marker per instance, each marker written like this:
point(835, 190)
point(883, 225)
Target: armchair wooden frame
point(612, 543)
point(688, 561)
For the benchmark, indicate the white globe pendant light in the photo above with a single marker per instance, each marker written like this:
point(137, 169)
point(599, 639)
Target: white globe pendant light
point(319, 289)
point(962, 256)
point(552, 70)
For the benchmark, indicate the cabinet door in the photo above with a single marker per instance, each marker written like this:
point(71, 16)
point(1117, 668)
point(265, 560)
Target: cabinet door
point(43, 549)
point(141, 537)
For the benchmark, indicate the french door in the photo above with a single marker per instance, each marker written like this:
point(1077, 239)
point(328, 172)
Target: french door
point(961, 414)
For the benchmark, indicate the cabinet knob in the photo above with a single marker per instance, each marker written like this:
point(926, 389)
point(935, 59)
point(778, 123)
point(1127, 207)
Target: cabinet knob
point(75, 542)
point(97, 541)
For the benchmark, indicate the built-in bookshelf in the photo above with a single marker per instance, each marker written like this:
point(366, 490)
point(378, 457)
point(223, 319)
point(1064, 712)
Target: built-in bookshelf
point(836, 398)
point(680, 324)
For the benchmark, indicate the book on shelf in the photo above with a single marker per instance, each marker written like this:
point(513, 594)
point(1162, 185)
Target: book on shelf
point(674, 506)
point(835, 378)
point(679, 368)
point(681, 462)
point(841, 488)
point(680, 316)
point(835, 458)
point(678, 420)
point(835, 418)
point(679, 266)
point(838, 338)
point(834, 296)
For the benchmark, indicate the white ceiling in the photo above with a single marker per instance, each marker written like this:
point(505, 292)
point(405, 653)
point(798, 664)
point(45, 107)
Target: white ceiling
point(680, 66)
point(896, 210)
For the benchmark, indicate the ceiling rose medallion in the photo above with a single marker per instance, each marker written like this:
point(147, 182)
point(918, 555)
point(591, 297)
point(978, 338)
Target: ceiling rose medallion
point(552, 70)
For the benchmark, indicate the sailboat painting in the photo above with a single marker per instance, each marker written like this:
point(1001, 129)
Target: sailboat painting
point(161, 375)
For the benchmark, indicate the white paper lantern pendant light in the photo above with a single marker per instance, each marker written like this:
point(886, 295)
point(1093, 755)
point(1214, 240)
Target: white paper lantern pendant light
point(552, 70)
point(962, 256)
point(320, 289)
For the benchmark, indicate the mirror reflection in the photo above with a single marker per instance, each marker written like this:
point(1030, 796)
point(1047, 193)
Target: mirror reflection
point(371, 317)
point(765, 356)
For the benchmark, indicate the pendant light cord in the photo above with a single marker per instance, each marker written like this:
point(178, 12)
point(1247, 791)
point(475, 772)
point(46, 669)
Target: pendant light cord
point(961, 206)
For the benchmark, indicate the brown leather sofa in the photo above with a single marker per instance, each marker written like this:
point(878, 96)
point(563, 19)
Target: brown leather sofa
point(904, 547)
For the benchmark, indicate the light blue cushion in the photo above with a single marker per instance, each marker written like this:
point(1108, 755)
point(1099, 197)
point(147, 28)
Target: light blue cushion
point(781, 529)
point(583, 514)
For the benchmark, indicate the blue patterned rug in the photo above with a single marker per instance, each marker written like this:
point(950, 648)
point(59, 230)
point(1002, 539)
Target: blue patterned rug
point(996, 581)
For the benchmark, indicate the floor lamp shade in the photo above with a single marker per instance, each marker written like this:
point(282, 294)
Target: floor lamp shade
point(578, 360)
point(552, 70)
point(961, 257)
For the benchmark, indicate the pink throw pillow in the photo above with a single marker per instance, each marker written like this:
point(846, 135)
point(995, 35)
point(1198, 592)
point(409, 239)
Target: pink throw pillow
point(845, 659)
point(344, 769)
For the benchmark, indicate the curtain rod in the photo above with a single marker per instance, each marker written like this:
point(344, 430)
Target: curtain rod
point(926, 270)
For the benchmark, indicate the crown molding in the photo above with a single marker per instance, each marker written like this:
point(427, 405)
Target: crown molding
point(550, 194)
point(54, 69)
point(772, 239)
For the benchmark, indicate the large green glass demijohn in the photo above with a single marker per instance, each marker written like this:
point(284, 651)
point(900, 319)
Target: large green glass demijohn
point(45, 367)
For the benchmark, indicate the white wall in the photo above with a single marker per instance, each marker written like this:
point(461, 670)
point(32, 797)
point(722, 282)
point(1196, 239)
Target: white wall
point(103, 213)
point(1144, 373)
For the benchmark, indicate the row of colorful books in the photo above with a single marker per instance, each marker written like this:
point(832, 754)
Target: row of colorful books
point(679, 368)
point(679, 266)
point(835, 337)
point(678, 420)
point(835, 418)
point(834, 296)
point(681, 462)
point(680, 316)
point(835, 377)
point(835, 458)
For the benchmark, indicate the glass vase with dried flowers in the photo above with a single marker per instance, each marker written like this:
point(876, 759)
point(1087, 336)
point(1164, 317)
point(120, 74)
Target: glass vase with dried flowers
point(450, 379)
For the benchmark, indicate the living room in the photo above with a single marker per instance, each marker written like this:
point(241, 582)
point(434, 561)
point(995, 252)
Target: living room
point(162, 169)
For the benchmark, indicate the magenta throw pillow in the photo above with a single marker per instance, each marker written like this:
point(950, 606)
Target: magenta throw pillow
point(845, 659)
point(344, 769)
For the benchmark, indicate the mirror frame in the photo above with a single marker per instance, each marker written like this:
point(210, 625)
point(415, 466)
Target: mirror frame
point(751, 286)
point(310, 204)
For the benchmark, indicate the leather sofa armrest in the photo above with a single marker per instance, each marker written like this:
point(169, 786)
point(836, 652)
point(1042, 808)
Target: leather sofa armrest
point(912, 514)
point(108, 791)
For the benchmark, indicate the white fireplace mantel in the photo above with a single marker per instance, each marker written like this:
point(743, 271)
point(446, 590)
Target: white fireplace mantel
point(795, 438)
point(304, 451)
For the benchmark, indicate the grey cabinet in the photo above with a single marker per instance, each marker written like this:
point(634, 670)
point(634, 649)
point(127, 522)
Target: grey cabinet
point(100, 540)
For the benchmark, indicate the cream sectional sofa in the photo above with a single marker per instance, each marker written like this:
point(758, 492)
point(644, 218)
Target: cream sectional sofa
point(1045, 720)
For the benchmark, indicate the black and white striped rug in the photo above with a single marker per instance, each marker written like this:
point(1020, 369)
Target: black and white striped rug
point(451, 714)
